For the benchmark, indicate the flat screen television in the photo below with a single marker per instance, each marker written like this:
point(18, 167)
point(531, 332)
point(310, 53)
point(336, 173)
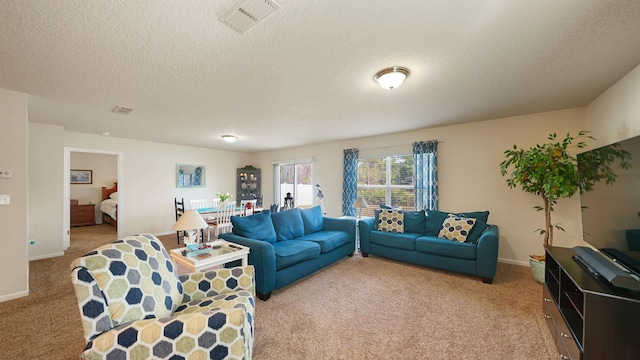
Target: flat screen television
point(611, 212)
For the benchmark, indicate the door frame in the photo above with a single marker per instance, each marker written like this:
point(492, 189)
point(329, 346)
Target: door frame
point(66, 209)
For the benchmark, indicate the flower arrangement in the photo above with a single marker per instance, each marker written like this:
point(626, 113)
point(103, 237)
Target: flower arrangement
point(224, 197)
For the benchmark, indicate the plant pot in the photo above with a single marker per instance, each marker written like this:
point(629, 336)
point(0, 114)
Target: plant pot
point(537, 269)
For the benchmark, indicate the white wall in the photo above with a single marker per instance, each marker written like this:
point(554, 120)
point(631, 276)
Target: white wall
point(469, 176)
point(148, 185)
point(615, 115)
point(14, 269)
point(45, 190)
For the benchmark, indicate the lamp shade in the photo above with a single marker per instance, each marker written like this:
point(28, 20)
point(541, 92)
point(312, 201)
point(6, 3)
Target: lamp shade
point(391, 78)
point(360, 203)
point(190, 220)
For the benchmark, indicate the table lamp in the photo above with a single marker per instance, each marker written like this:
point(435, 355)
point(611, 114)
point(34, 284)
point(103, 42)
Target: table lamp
point(190, 222)
point(360, 204)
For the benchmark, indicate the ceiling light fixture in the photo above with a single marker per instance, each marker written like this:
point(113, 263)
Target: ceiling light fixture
point(391, 78)
point(229, 138)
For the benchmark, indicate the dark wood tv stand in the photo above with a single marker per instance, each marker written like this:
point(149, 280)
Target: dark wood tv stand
point(588, 317)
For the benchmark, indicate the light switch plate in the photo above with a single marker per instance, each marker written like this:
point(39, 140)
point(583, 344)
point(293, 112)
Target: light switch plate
point(5, 199)
point(6, 174)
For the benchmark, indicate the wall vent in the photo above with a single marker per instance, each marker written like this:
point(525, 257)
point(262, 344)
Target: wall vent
point(122, 110)
point(246, 14)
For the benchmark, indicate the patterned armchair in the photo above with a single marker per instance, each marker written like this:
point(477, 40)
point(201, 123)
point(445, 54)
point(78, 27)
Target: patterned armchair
point(133, 305)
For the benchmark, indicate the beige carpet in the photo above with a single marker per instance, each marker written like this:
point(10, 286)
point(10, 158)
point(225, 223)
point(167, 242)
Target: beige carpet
point(360, 308)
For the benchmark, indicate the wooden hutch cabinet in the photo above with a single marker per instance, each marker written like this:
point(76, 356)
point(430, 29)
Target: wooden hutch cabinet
point(249, 184)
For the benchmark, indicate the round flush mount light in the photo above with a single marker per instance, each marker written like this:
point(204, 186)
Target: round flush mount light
point(229, 138)
point(392, 77)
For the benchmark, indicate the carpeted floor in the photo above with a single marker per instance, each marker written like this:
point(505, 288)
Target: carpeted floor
point(359, 308)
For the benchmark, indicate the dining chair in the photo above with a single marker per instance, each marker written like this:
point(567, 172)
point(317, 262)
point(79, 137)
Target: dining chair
point(223, 218)
point(248, 207)
point(179, 206)
point(211, 221)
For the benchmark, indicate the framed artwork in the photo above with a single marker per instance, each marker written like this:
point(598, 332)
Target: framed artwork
point(81, 176)
point(189, 176)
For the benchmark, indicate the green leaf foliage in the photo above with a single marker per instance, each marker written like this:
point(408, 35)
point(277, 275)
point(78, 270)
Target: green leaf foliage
point(550, 171)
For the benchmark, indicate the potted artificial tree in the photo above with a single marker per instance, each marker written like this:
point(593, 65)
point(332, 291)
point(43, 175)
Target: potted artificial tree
point(551, 172)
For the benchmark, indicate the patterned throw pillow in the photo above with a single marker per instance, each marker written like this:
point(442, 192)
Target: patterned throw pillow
point(391, 221)
point(456, 228)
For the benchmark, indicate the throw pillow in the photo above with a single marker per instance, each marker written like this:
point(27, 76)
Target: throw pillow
point(391, 221)
point(477, 231)
point(288, 224)
point(435, 219)
point(312, 219)
point(258, 226)
point(456, 228)
point(414, 222)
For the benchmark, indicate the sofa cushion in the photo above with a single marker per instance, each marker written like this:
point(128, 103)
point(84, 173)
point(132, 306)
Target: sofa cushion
point(477, 231)
point(443, 247)
point(312, 219)
point(327, 239)
point(291, 252)
point(391, 221)
point(288, 224)
point(414, 221)
point(258, 226)
point(435, 218)
point(456, 228)
point(404, 241)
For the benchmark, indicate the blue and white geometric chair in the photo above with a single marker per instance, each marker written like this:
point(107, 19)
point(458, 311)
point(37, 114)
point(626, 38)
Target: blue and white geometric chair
point(133, 305)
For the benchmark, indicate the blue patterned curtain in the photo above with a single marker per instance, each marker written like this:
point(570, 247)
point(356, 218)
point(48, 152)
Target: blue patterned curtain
point(426, 174)
point(350, 182)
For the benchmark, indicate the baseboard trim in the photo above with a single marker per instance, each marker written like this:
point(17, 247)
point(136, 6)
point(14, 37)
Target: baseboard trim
point(19, 294)
point(45, 256)
point(514, 262)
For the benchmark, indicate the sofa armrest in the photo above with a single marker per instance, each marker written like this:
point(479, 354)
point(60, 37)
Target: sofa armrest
point(341, 224)
point(365, 226)
point(487, 252)
point(262, 257)
point(198, 285)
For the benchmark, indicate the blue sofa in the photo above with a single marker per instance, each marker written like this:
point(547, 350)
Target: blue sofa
point(289, 245)
point(420, 237)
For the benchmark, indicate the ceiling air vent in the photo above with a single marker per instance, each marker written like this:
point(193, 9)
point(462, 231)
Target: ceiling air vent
point(246, 14)
point(122, 110)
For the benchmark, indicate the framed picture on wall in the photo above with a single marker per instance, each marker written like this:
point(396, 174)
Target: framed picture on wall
point(189, 176)
point(81, 176)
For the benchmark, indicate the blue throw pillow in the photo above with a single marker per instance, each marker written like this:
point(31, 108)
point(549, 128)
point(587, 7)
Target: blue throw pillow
point(479, 215)
point(312, 219)
point(434, 220)
point(288, 224)
point(258, 226)
point(385, 207)
point(414, 222)
point(477, 230)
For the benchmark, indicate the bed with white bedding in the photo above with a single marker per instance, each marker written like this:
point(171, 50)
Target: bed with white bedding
point(109, 205)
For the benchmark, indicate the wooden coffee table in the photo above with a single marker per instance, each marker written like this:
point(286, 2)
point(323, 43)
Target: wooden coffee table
point(222, 252)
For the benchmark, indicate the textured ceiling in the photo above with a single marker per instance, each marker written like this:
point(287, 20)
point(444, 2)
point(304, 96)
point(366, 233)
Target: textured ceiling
point(304, 74)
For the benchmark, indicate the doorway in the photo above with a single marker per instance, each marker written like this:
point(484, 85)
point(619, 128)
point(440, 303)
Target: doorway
point(104, 168)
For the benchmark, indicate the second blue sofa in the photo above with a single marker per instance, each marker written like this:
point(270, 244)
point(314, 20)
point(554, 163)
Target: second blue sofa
point(287, 246)
point(417, 237)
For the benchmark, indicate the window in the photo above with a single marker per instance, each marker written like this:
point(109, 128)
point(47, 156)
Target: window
point(294, 177)
point(386, 180)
